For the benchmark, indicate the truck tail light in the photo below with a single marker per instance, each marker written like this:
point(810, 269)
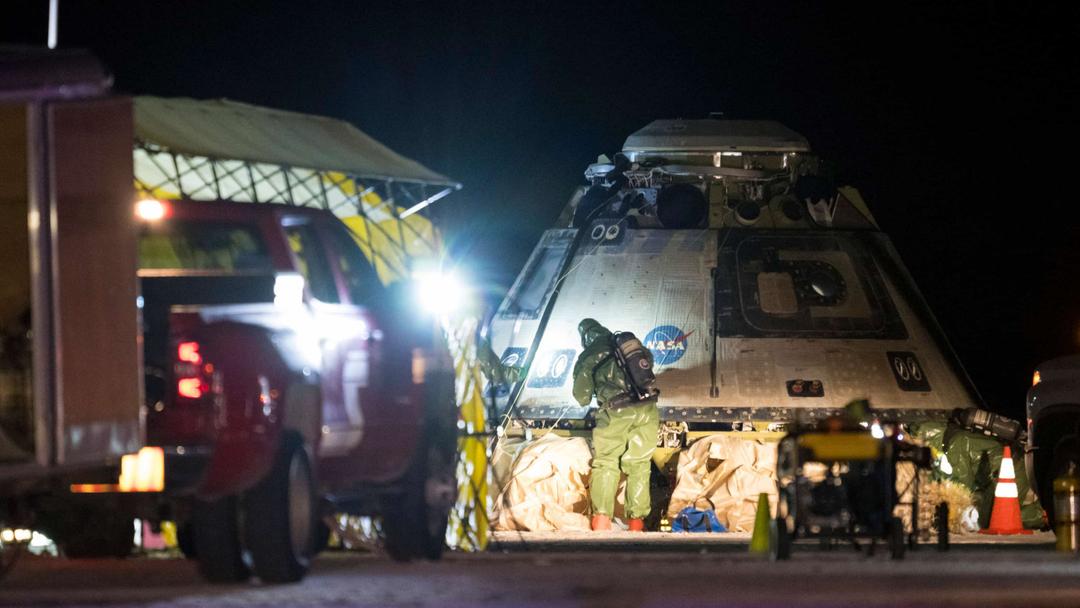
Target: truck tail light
point(193, 375)
point(1035, 379)
point(191, 388)
point(188, 352)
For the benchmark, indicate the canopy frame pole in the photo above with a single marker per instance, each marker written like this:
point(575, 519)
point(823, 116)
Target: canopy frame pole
point(215, 165)
point(325, 195)
point(265, 178)
point(251, 180)
point(426, 202)
point(228, 174)
point(179, 183)
point(288, 186)
point(217, 180)
point(153, 158)
point(401, 221)
point(369, 224)
point(303, 183)
point(193, 169)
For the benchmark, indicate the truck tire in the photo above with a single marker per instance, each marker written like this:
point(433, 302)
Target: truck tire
point(414, 524)
point(280, 517)
point(185, 540)
point(215, 535)
point(99, 533)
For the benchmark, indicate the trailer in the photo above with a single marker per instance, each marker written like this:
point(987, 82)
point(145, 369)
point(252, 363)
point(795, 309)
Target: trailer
point(70, 367)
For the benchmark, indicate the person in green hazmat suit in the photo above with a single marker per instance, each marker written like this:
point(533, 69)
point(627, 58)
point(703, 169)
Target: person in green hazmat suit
point(493, 368)
point(625, 434)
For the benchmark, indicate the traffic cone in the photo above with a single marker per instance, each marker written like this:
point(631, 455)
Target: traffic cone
point(759, 542)
point(1005, 516)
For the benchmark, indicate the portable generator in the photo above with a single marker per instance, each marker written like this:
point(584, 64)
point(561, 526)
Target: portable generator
point(840, 485)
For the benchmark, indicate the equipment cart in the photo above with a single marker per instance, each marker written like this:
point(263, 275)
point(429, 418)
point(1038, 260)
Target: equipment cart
point(840, 485)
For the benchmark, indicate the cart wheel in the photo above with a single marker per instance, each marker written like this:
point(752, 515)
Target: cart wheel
point(941, 520)
point(779, 540)
point(897, 544)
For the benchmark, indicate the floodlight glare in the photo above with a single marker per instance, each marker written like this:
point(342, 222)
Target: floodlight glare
point(439, 292)
point(289, 289)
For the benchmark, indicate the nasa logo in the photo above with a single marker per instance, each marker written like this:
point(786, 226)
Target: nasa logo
point(667, 344)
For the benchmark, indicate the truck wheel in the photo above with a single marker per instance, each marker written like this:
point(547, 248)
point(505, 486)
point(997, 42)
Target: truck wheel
point(279, 517)
point(99, 533)
point(215, 535)
point(415, 524)
point(185, 540)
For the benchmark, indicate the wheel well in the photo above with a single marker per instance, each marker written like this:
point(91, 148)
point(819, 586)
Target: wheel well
point(1054, 423)
point(302, 408)
point(291, 436)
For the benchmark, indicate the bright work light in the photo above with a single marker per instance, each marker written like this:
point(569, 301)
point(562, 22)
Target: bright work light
point(150, 210)
point(439, 292)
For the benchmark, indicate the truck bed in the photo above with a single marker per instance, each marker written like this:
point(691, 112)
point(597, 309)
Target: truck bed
point(161, 293)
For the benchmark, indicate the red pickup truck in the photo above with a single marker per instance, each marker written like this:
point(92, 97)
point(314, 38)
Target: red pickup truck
point(284, 382)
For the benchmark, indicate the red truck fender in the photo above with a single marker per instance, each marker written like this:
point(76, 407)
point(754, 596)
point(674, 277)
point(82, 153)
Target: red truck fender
point(262, 397)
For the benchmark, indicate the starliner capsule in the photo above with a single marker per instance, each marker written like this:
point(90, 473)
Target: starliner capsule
point(766, 295)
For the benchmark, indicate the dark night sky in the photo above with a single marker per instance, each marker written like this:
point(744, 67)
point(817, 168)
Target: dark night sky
point(955, 120)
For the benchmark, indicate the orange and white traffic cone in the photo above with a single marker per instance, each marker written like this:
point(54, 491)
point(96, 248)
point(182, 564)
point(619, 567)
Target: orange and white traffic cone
point(1005, 516)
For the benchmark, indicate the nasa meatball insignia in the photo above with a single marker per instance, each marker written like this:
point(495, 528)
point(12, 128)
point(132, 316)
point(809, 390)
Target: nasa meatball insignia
point(667, 343)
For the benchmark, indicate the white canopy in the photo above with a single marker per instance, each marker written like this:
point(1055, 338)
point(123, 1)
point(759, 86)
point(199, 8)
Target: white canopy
point(224, 129)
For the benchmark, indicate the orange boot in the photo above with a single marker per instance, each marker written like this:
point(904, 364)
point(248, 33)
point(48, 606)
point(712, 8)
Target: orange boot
point(637, 525)
point(601, 522)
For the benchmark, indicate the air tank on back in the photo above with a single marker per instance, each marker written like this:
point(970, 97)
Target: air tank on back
point(764, 293)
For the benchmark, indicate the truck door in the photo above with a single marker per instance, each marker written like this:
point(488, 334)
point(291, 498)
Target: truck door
point(394, 414)
point(344, 336)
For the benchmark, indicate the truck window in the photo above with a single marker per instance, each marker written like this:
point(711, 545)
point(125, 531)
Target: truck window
point(311, 259)
point(196, 245)
point(360, 279)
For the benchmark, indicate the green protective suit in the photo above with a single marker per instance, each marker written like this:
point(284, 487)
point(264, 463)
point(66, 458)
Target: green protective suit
point(974, 461)
point(624, 439)
point(493, 368)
